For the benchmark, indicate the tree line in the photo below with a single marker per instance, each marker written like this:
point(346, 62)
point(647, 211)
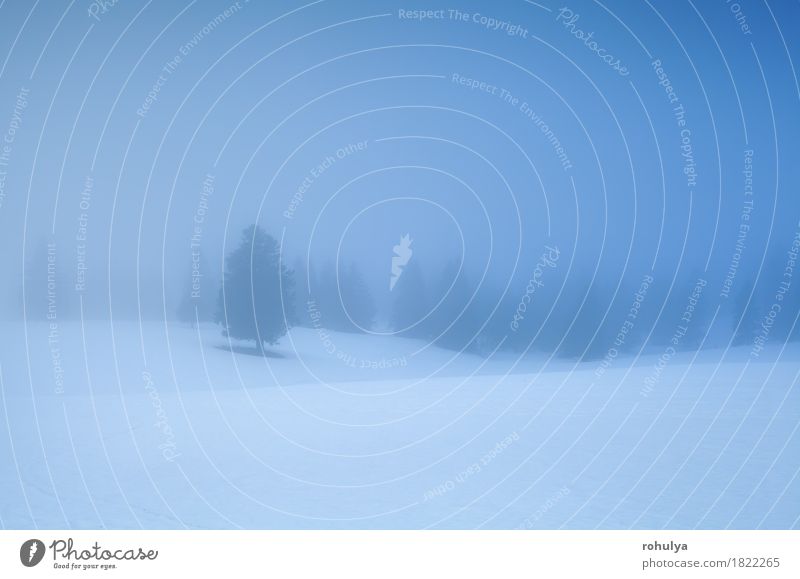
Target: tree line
point(260, 298)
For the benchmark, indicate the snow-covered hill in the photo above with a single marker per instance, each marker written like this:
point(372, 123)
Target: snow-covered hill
point(126, 425)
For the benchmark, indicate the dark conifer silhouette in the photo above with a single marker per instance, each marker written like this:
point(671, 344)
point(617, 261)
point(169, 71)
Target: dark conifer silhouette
point(411, 303)
point(357, 298)
point(257, 293)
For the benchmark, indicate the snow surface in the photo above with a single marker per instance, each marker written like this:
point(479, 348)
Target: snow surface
point(163, 426)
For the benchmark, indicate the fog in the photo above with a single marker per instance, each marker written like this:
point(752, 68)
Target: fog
point(485, 143)
point(332, 264)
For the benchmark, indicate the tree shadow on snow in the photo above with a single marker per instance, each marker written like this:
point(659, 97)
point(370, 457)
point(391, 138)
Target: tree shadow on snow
point(250, 351)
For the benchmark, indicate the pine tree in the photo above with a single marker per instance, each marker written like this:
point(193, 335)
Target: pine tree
point(257, 292)
point(410, 304)
point(326, 293)
point(358, 300)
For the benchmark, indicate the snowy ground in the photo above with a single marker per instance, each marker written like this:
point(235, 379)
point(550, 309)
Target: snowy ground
point(160, 426)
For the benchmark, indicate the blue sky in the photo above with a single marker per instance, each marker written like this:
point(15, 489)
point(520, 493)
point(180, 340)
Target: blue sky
point(484, 135)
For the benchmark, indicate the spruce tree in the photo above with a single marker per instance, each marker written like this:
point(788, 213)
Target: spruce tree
point(357, 298)
point(411, 304)
point(257, 293)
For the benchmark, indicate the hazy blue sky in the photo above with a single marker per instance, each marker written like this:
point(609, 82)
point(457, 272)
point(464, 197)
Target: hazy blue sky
point(253, 101)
